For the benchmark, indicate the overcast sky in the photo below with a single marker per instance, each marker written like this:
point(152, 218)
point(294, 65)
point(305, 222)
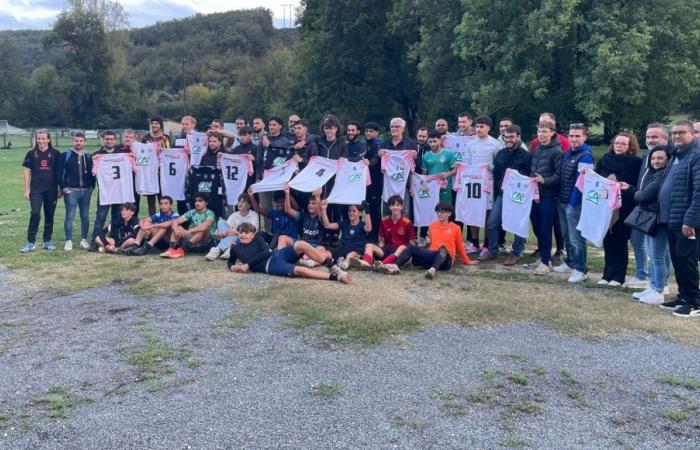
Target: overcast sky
point(40, 14)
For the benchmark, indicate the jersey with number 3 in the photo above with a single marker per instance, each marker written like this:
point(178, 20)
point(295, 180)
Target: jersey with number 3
point(173, 172)
point(114, 176)
point(600, 197)
point(234, 171)
point(146, 160)
point(518, 193)
point(473, 188)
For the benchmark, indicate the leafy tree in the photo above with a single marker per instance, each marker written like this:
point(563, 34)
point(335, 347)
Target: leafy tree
point(12, 86)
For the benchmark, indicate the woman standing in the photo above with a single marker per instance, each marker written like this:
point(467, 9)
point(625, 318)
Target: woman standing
point(41, 168)
point(620, 164)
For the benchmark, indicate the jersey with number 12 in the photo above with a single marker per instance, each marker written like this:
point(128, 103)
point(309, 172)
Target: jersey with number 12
point(173, 171)
point(114, 176)
point(234, 171)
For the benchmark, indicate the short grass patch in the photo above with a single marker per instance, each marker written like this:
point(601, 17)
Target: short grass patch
point(327, 389)
point(514, 443)
point(519, 378)
point(5, 419)
point(675, 415)
point(150, 359)
point(688, 383)
point(236, 320)
point(568, 378)
point(58, 402)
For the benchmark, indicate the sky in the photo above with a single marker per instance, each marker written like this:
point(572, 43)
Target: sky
point(40, 14)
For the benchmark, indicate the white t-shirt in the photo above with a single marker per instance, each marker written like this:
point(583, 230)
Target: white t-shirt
point(236, 219)
point(351, 181)
point(518, 193)
point(472, 186)
point(315, 175)
point(173, 172)
point(397, 166)
point(146, 160)
point(234, 171)
point(115, 178)
point(426, 195)
point(600, 197)
point(275, 178)
point(457, 145)
point(197, 145)
point(481, 151)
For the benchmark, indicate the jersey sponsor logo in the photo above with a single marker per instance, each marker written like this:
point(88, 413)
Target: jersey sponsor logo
point(279, 161)
point(355, 176)
point(518, 197)
point(424, 191)
point(204, 186)
point(143, 160)
point(44, 164)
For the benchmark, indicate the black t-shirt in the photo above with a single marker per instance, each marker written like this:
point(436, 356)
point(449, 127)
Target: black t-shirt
point(353, 237)
point(255, 254)
point(311, 228)
point(44, 167)
point(246, 149)
point(121, 231)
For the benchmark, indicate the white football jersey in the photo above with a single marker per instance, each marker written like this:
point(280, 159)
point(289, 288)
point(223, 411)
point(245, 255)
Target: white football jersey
point(115, 178)
point(457, 145)
point(234, 171)
point(173, 172)
point(315, 175)
point(275, 178)
point(600, 197)
point(146, 160)
point(197, 145)
point(519, 192)
point(426, 195)
point(351, 181)
point(472, 186)
point(397, 165)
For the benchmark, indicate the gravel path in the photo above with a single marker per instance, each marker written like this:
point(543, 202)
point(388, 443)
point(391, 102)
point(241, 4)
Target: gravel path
point(214, 384)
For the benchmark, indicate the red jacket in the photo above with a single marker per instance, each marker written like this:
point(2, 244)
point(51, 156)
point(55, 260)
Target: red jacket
point(563, 140)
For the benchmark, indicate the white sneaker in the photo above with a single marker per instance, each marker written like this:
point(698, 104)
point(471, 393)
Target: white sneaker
point(214, 253)
point(635, 283)
point(484, 251)
point(84, 244)
point(68, 246)
point(310, 263)
point(543, 269)
point(226, 254)
point(562, 268)
point(603, 282)
point(653, 298)
point(614, 283)
point(471, 248)
point(577, 277)
point(343, 264)
point(666, 291)
point(639, 295)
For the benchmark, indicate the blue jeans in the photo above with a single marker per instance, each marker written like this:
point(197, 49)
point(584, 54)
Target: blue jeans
point(74, 199)
point(660, 258)
point(101, 217)
point(226, 242)
point(493, 225)
point(638, 239)
point(575, 244)
point(542, 217)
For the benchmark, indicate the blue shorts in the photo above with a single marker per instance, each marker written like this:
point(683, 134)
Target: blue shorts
point(282, 261)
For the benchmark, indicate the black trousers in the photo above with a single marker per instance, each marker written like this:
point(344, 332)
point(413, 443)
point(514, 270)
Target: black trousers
point(47, 199)
point(684, 257)
point(374, 199)
point(558, 236)
point(616, 252)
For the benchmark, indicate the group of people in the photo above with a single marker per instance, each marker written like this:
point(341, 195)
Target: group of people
point(422, 196)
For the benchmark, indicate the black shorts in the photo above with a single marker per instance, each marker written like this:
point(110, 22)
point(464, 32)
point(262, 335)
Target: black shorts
point(424, 258)
point(282, 261)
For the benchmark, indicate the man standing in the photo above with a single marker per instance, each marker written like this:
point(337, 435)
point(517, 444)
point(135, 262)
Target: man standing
point(258, 131)
point(240, 123)
point(357, 148)
point(502, 125)
point(679, 207)
point(156, 134)
point(570, 205)
point(550, 117)
point(696, 130)
point(464, 125)
point(374, 190)
point(513, 156)
point(441, 126)
point(423, 147)
point(291, 121)
point(398, 141)
point(230, 139)
point(109, 142)
point(76, 183)
point(41, 166)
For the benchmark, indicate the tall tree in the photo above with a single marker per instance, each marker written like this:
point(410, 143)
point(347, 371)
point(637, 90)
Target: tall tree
point(12, 85)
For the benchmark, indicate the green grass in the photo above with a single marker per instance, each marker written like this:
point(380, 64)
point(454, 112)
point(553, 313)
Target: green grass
point(327, 389)
point(5, 419)
point(676, 415)
point(514, 443)
point(568, 377)
point(519, 378)
point(688, 383)
point(58, 402)
point(235, 320)
point(150, 359)
point(539, 370)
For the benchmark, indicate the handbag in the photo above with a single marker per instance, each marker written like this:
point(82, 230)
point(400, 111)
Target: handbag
point(642, 220)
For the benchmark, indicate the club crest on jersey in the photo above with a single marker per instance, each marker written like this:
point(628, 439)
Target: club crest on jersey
point(204, 186)
point(517, 197)
point(424, 192)
point(143, 160)
point(593, 196)
point(398, 176)
point(278, 161)
point(196, 149)
point(355, 177)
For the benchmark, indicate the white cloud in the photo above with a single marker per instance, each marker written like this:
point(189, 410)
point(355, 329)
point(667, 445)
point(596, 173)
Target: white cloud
point(26, 10)
point(211, 6)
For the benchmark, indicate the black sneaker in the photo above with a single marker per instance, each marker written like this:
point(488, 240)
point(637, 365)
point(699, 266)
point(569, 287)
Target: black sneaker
point(142, 250)
point(673, 305)
point(93, 247)
point(687, 310)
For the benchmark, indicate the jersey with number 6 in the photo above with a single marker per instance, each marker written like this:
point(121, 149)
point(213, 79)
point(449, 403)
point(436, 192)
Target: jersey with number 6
point(173, 172)
point(473, 188)
point(146, 160)
point(115, 179)
point(234, 171)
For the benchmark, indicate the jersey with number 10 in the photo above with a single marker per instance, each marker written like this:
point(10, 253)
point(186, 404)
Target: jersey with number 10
point(146, 160)
point(518, 193)
point(173, 171)
point(234, 171)
point(114, 176)
point(473, 188)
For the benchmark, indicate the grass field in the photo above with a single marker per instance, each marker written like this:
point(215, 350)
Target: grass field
point(373, 309)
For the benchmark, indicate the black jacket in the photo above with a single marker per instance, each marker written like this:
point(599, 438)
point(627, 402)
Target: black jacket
point(625, 168)
point(506, 159)
point(685, 195)
point(332, 150)
point(647, 195)
point(76, 171)
point(546, 160)
point(357, 150)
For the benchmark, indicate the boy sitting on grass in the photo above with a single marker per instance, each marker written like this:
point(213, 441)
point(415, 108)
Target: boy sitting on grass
point(445, 242)
point(282, 223)
point(122, 232)
point(396, 232)
point(252, 254)
point(200, 233)
point(156, 228)
point(227, 230)
point(353, 236)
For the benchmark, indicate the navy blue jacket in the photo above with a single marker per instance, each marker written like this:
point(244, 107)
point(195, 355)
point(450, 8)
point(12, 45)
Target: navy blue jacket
point(685, 193)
